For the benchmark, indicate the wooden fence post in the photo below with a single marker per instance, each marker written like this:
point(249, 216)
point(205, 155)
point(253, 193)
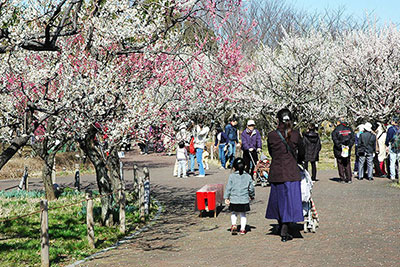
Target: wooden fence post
point(90, 221)
point(146, 185)
point(26, 175)
point(144, 194)
point(24, 179)
point(53, 171)
point(141, 198)
point(135, 180)
point(77, 177)
point(122, 203)
point(122, 200)
point(44, 234)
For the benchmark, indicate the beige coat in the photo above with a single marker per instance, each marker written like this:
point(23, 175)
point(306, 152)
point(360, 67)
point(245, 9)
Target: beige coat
point(380, 143)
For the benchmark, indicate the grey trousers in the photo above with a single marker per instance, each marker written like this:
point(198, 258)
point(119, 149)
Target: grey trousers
point(370, 166)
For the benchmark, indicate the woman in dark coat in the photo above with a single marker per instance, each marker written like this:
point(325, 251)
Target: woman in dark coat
point(312, 147)
point(284, 202)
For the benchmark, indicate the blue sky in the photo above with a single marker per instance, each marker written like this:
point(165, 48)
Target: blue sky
point(384, 10)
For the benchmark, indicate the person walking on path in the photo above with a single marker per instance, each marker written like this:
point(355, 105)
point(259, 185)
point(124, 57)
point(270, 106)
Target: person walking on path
point(232, 134)
point(366, 151)
point(221, 141)
point(286, 149)
point(181, 157)
point(343, 140)
point(251, 145)
point(381, 148)
point(238, 192)
point(200, 137)
point(392, 142)
point(312, 147)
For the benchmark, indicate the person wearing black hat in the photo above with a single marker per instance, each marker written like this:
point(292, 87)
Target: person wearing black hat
point(343, 140)
point(286, 149)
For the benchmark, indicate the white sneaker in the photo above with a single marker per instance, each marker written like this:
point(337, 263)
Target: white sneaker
point(200, 176)
point(221, 168)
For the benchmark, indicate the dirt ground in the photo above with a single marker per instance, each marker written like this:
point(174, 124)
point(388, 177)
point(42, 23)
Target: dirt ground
point(359, 225)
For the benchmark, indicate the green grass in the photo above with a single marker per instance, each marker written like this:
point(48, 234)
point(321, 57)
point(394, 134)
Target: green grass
point(20, 239)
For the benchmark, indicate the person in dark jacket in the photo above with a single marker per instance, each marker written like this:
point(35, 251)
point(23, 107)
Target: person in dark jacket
point(221, 141)
point(366, 151)
point(232, 134)
point(343, 140)
point(251, 145)
point(394, 155)
point(312, 147)
point(286, 149)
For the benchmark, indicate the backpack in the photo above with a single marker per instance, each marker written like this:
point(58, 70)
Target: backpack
point(192, 149)
point(395, 143)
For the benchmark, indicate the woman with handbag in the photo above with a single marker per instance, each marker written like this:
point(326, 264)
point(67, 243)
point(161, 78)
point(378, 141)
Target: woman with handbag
point(286, 149)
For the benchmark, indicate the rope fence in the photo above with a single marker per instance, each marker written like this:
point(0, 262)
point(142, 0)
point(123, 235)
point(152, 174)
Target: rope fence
point(142, 190)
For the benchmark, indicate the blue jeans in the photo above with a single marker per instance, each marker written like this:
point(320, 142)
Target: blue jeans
point(199, 156)
point(394, 156)
point(191, 157)
point(231, 153)
point(370, 166)
point(222, 155)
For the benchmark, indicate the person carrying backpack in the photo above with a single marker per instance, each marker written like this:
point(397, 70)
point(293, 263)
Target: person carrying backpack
point(393, 144)
point(343, 140)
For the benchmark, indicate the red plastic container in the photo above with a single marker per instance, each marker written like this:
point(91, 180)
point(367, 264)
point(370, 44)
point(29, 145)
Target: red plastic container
point(209, 196)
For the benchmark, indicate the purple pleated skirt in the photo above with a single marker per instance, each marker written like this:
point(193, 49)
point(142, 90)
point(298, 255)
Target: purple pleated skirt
point(284, 202)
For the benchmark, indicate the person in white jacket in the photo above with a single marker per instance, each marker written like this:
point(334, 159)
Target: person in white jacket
point(381, 147)
point(200, 134)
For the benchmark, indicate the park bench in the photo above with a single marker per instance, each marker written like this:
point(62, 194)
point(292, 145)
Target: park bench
point(209, 197)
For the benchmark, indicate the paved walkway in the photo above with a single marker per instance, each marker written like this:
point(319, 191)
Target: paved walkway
point(359, 226)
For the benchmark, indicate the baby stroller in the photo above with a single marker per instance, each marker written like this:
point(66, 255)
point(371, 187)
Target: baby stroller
point(261, 171)
point(311, 221)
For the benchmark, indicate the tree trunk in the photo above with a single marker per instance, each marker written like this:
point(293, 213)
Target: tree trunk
point(104, 182)
point(46, 176)
point(16, 144)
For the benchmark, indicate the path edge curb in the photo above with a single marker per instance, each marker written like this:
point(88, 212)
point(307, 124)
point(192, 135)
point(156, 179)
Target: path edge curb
point(123, 240)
